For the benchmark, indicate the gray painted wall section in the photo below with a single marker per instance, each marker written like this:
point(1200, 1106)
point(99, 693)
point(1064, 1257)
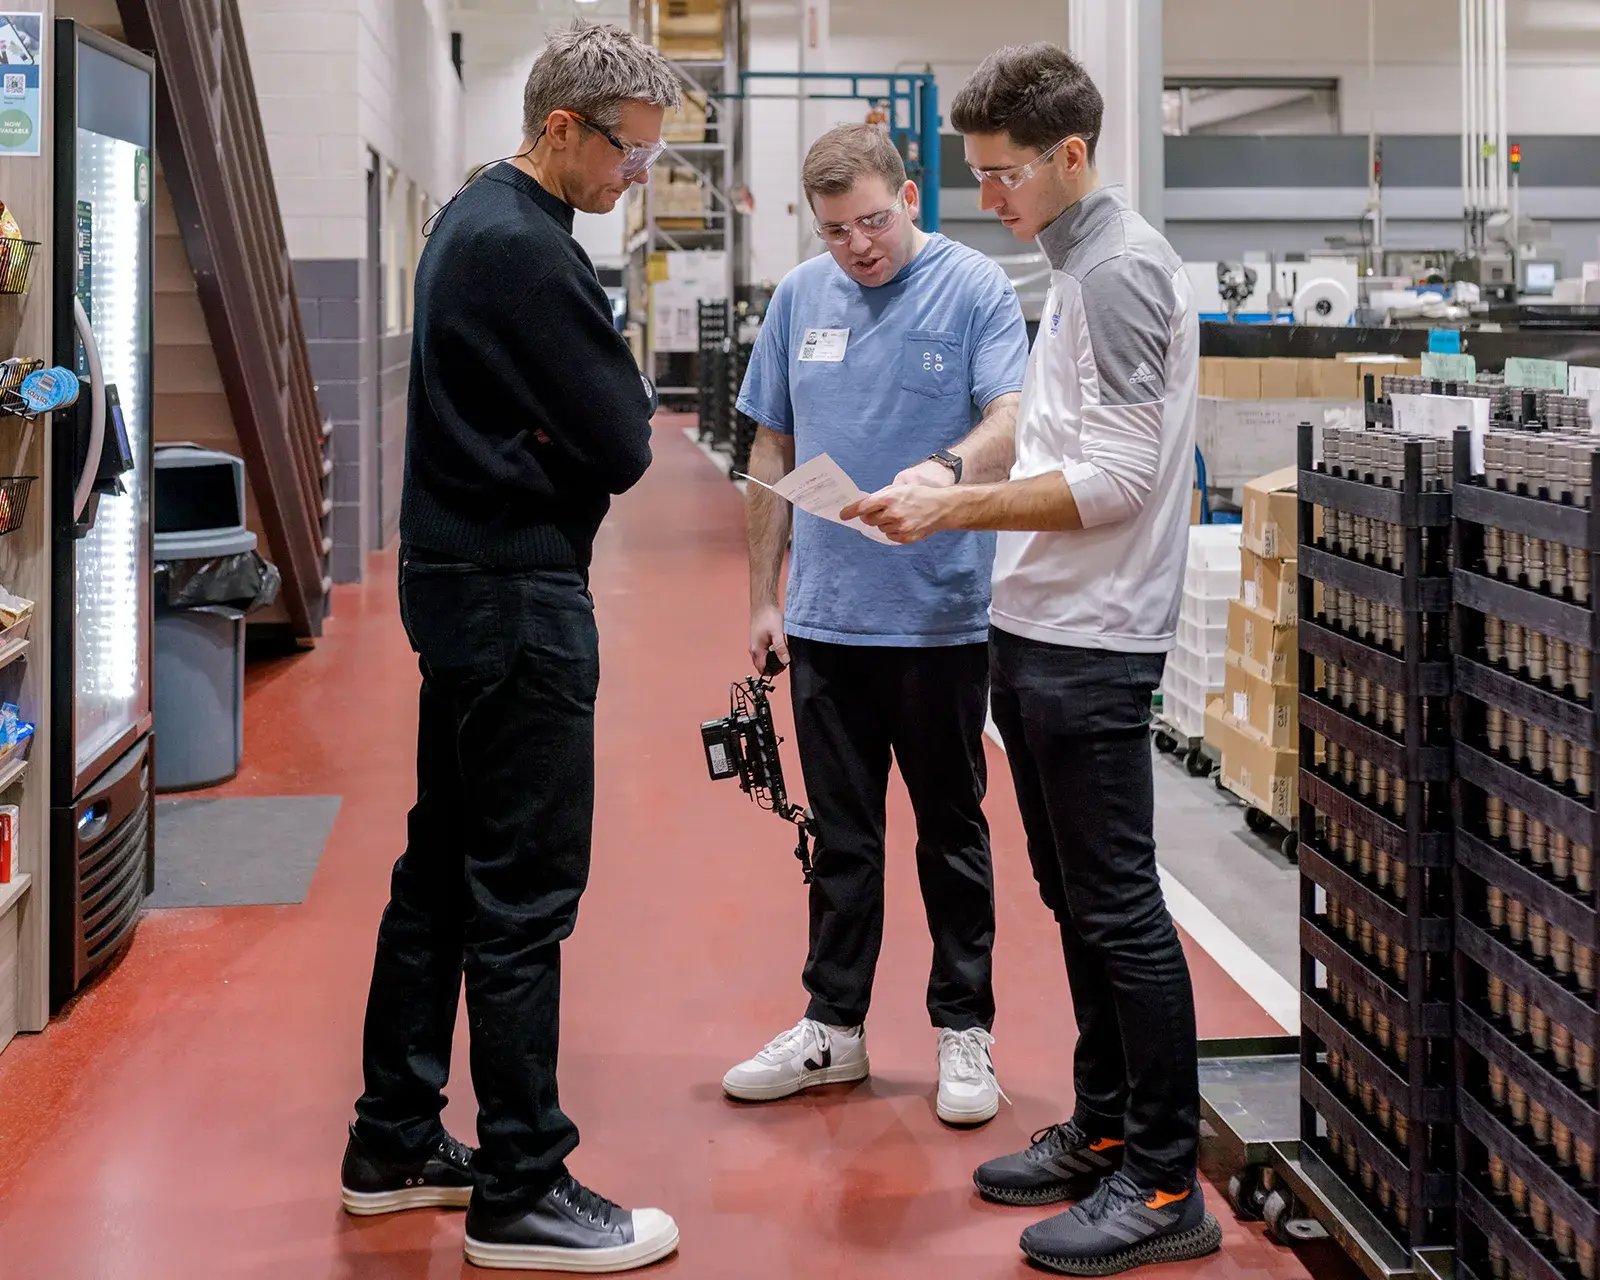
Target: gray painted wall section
point(333, 308)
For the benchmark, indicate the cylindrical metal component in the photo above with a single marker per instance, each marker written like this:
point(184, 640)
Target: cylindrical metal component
point(1561, 951)
point(1560, 664)
point(1538, 656)
point(1495, 813)
point(1497, 996)
point(1583, 966)
point(1561, 1141)
point(1495, 902)
point(1516, 739)
point(1583, 1062)
point(1494, 550)
point(1517, 1098)
point(1539, 1122)
point(1560, 761)
point(1539, 1028)
point(1539, 1213)
point(1516, 648)
point(1495, 729)
point(1560, 856)
point(1583, 867)
point(1561, 1045)
point(1538, 756)
point(1539, 845)
point(1517, 1011)
point(1517, 831)
point(1494, 639)
point(1538, 936)
point(1517, 920)
point(1497, 1084)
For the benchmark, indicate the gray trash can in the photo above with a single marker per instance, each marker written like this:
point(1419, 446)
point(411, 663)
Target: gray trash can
point(198, 692)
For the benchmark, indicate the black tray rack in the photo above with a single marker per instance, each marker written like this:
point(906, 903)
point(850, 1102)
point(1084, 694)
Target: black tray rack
point(743, 428)
point(716, 408)
point(1377, 1079)
point(1528, 923)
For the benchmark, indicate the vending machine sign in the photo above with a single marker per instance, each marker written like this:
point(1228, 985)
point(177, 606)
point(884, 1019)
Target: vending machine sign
point(21, 77)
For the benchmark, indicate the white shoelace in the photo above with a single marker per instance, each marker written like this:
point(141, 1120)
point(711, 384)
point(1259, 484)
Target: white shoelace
point(799, 1038)
point(964, 1057)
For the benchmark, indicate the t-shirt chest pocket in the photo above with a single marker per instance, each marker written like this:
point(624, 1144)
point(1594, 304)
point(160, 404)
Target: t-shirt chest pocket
point(932, 364)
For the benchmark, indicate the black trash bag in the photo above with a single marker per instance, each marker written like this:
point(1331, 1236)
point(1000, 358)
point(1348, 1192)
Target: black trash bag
point(245, 582)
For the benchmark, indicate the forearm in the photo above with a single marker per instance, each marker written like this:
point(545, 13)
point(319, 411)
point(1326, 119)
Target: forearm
point(1038, 503)
point(989, 450)
point(767, 515)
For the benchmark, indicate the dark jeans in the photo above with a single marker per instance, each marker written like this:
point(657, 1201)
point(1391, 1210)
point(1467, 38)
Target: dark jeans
point(855, 705)
point(496, 860)
point(1075, 724)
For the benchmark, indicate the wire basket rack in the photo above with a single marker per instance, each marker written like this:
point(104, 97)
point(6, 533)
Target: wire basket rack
point(16, 264)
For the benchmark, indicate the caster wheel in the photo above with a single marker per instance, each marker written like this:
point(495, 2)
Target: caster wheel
point(1247, 1194)
point(1276, 1210)
point(1291, 847)
point(1198, 765)
point(1257, 821)
point(1166, 744)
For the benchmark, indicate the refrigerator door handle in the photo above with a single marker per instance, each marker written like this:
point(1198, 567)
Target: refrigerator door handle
point(97, 412)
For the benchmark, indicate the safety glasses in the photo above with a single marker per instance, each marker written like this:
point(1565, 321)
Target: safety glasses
point(872, 225)
point(635, 160)
point(1015, 176)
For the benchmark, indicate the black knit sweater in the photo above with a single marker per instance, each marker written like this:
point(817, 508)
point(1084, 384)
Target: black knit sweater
point(526, 408)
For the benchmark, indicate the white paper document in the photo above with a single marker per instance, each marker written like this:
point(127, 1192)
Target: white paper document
point(1441, 415)
point(822, 488)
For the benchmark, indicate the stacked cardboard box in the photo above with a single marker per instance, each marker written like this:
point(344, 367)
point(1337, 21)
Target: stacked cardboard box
point(1340, 378)
point(691, 30)
point(680, 200)
point(1253, 724)
point(688, 122)
point(1195, 667)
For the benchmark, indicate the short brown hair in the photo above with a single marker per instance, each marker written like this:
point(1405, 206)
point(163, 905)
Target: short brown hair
point(847, 153)
point(1038, 94)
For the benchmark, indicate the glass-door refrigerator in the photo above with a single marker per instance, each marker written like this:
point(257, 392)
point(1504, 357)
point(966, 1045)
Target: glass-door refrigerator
point(102, 815)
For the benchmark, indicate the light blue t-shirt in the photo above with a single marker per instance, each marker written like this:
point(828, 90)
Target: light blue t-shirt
point(891, 375)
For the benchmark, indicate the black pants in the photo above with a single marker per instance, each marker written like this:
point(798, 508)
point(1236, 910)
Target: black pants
point(855, 705)
point(496, 860)
point(1075, 724)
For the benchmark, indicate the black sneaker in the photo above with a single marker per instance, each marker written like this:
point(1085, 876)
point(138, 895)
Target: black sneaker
point(375, 1185)
point(1121, 1226)
point(570, 1228)
point(1063, 1163)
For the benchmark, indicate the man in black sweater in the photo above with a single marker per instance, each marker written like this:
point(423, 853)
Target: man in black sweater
point(527, 414)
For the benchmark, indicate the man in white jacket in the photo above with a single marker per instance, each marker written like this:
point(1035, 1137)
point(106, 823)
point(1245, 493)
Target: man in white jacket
point(1087, 582)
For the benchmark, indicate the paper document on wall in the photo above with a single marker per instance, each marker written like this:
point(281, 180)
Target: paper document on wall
point(1441, 416)
point(1585, 382)
point(821, 487)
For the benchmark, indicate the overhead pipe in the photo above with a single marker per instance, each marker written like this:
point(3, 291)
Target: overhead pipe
point(1501, 63)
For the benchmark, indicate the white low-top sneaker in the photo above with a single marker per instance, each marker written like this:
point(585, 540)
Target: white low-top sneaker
point(808, 1054)
point(968, 1090)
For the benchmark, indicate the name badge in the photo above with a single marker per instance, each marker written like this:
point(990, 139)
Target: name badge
point(825, 345)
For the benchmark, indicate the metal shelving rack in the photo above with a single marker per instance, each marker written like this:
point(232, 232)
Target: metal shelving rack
point(1528, 928)
point(718, 162)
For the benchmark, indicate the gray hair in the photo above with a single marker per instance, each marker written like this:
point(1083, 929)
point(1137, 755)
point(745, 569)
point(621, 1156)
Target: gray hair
point(593, 69)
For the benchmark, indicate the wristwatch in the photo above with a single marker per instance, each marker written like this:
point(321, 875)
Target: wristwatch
point(948, 459)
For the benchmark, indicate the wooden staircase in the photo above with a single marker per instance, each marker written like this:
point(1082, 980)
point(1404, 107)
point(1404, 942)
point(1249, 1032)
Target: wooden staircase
point(220, 208)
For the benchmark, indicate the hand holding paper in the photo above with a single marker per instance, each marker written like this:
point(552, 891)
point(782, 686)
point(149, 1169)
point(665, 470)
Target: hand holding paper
point(821, 487)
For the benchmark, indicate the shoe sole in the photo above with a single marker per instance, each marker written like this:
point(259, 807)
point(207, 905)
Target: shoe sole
point(368, 1203)
point(772, 1092)
point(1204, 1239)
point(967, 1119)
point(1027, 1199)
point(519, 1257)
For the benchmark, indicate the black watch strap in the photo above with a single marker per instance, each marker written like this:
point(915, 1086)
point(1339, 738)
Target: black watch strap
point(951, 460)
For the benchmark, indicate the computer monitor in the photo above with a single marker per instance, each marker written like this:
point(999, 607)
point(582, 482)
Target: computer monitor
point(1539, 276)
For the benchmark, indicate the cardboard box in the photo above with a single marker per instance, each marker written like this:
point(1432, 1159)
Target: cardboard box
point(1253, 769)
point(1194, 506)
point(1211, 375)
point(691, 29)
point(688, 122)
point(1241, 379)
point(1280, 379)
point(1266, 647)
point(1268, 709)
point(1272, 586)
point(1271, 515)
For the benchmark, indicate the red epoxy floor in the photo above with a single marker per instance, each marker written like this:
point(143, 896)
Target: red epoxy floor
point(187, 1118)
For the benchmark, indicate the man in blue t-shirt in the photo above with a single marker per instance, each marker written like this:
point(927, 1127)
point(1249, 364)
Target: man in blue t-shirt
point(901, 355)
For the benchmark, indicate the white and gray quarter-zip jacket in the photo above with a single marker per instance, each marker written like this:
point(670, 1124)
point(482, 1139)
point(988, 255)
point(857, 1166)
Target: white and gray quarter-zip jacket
point(1109, 402)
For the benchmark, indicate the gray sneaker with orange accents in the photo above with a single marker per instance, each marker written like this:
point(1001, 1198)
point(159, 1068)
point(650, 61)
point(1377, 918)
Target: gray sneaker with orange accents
point(1121, 1226)
point(1064, 1163)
